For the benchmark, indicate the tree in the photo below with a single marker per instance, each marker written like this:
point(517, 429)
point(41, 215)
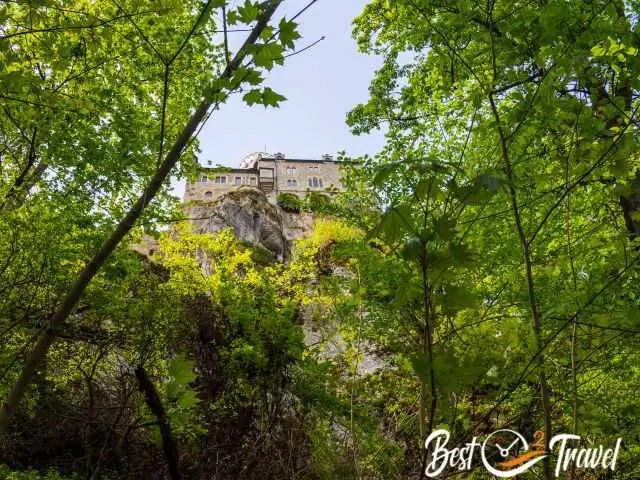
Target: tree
point(543, 94)
point(234, 71)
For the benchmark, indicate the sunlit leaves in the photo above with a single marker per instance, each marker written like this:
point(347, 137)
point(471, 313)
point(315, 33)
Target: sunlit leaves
point(267, 55)
point(181, 371)
point(266, 97)
point(563, 79)
point(395, 224)
point(251, 76)
point(287, 33)
point(248, 12)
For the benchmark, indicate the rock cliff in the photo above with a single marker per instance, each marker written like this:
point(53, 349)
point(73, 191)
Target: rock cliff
point(253, 219)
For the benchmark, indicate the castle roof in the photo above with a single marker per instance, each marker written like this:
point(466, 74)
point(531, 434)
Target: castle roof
point(222, 170)
point(250, 163)
point(298, 160)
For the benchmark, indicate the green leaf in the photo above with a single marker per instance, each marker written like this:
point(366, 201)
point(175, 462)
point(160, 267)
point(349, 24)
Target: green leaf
point(445, 227)
point(267, 54)
point(395, 223)
point(421, 366)
point(266, 97)
point(287, 33)
point(188, 399)
point(246, 75)
point(384, 172)
point(267, 33)
point(252, 97)
point(233, 18)
point(248, 12)
point(271, 98)
point(181, 371)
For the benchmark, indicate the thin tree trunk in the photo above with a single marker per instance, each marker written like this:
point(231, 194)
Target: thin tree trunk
point(533, 303)
point(574, 390)
point(21, 185)
point(630, 207)
point(126, 224)
point(574, 331)
point(427, 348)
point(154, 403)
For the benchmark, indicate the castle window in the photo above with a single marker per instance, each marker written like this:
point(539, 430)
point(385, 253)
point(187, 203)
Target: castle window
point(220, 179)
point(203, 179)
point(208, 194)
point(291, 170)
point(313, 168)
point(320, 182)
point(238, 180)
point(253, 180)
point(291, 183)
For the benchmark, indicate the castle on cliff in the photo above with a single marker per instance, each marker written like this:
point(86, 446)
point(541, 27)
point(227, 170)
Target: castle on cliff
point(273, 174)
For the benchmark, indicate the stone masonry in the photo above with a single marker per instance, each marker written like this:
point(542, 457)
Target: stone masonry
point(273, 174)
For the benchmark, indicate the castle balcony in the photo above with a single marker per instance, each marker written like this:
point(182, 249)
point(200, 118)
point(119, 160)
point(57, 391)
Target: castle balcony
point(267, 179)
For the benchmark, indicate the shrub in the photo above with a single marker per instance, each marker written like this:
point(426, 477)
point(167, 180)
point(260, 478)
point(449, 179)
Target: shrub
point(7, 473)
point(318, 202)
point(289, 202)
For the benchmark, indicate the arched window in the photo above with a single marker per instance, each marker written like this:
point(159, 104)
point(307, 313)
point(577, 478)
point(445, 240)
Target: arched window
point(208, 195)
point(320, 182)
point(203, 179)
point(315, 182)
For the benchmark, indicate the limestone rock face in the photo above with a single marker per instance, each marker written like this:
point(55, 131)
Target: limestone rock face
point(249, 213)
point(296, 225)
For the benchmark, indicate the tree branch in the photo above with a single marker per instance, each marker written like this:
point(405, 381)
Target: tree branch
point(78, 288)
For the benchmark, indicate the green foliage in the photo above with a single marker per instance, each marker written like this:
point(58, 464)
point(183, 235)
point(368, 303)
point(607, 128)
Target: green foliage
point(266, 97)
point(261, 337)
point(9, 474)
point(94, 94)
point(318, 203)
point(289, 202)
point(498, 222)
point(511, 135)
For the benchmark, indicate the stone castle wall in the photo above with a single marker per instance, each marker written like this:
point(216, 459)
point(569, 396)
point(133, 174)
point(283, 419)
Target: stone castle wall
point(211, 185)
point(299, 176)
point(271, 175)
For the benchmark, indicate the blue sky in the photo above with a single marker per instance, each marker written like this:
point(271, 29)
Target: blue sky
point(321, 86)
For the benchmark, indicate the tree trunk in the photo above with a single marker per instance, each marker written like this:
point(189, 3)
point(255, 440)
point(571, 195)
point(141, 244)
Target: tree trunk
point(631, 208)
point(69, 302)
point(533, 302)
point(154, 403)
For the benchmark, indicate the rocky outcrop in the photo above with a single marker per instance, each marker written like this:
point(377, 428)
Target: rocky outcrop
point(249, 213)
point(254, 219)
point(296, 225)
